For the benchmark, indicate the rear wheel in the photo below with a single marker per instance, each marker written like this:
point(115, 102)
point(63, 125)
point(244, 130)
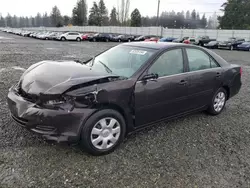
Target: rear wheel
point(218, 102)
point(103, 132)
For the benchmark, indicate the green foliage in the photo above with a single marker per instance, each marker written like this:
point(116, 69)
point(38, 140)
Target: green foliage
point(136, 18)
point(103, 13)
point(98, 14)
point(56, 18)
point(236, 15)
point(79, 13)
point(2, 21)
point(113, 17)
point(94, 16)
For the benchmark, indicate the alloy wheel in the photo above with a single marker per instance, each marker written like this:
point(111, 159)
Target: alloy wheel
point(105, 133)
point(219, 101)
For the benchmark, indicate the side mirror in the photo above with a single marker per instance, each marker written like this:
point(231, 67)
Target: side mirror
point(150, 77)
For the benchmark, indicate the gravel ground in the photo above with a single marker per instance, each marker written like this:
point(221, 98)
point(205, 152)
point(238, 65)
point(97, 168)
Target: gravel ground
point(195, 151)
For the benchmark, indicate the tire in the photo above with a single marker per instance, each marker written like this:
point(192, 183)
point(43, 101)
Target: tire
point(88, 137)
point(119, 40)
point(107, 40)
point(63, 39)
point(129, 40)
point(231, 48)
point(78, 39)
point(94, 40)
point(46, 38)
point(221, 95)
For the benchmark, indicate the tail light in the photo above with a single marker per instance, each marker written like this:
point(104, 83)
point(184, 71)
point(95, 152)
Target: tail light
point(241, 71)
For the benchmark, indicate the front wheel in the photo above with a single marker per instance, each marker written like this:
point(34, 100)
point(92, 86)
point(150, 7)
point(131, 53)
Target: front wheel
point(78, 39)
point(103, 132)
point(218, 102)
point(231, 48)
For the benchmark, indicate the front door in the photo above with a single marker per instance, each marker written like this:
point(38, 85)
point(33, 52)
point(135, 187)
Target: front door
point(163, 97)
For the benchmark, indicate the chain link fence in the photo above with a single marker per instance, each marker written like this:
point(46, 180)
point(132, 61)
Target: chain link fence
point(159, 31)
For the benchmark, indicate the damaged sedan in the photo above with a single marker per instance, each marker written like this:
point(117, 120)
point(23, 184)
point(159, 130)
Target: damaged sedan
point(124, 89)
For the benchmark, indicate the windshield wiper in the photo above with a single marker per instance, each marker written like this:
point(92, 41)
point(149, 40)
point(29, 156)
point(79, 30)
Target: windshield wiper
point(106, 67)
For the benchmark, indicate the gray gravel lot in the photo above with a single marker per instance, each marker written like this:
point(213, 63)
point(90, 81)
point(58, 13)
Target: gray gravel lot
point(195, 151)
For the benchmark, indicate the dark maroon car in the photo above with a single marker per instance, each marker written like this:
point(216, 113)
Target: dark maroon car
point(128, 87)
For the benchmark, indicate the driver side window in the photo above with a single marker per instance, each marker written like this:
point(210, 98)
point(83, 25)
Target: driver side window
point(169, 63)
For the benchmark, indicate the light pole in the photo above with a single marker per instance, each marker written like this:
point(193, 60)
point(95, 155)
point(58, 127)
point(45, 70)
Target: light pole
point(158, 11)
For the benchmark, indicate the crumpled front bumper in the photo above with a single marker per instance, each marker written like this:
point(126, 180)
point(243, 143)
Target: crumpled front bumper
point(55, 125)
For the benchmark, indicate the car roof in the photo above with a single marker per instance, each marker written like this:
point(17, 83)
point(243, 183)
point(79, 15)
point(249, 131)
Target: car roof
point(154, 45)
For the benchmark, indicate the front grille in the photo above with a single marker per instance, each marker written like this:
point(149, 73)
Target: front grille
point(20, 121)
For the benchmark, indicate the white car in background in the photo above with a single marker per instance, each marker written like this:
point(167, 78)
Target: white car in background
point(70, 36)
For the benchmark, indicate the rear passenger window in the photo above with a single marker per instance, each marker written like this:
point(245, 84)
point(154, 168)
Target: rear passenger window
point(199, 60)
point(169, 63)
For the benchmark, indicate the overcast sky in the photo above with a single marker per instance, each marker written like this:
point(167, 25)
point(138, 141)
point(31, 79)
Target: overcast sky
point(146, 7)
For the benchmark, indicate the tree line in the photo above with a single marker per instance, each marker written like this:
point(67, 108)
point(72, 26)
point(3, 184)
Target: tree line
point(99, 16)
point(236, 15)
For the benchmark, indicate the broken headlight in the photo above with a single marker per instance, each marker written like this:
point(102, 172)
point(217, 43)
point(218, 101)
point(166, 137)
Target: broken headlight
point(64, 103)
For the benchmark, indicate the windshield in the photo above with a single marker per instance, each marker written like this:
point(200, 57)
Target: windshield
point(248, 43)
point(122, 61)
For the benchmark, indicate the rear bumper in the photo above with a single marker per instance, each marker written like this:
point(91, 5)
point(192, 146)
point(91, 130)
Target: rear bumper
point(55, 125)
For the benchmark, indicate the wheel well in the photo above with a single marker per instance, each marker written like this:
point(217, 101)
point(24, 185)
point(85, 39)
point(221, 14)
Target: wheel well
point(116, 108)
point(227, 90)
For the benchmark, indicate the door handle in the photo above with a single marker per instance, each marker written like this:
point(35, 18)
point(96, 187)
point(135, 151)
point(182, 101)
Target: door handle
point(183, 82)
point(218, 75)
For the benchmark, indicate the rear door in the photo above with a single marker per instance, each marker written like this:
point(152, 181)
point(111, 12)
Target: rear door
point(166, 96)
point(204, 77)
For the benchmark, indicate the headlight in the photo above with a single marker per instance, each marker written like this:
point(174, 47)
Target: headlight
point(63, 103)
point(229, 43)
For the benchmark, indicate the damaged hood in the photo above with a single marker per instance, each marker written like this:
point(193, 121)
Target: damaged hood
point(56, 77)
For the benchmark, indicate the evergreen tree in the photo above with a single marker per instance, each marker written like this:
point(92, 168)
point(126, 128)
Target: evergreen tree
point(66, 20)
point(203, 21)
point(38, 20)
point(193, 15)
point(103, 13)
point(46, 20)
point(56, 18)
point(236, 15)
point(9, 20)
point(2, 21)
point(94, 16)
point(113, 17)
point(79, 13)
point(136, 18)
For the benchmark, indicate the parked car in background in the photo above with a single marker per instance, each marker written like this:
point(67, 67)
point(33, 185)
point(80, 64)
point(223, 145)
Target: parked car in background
point(123, 38)
point(70, 36)
point(212, 45)
point(101, 37)
point(167, 39)
point(245, 46)
point(190, 40)
point(124, 89)
point(152, 39)
point(85, 37)
point(231, 43)
point(143, 37)
point(203, 40)
point(180, 40)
